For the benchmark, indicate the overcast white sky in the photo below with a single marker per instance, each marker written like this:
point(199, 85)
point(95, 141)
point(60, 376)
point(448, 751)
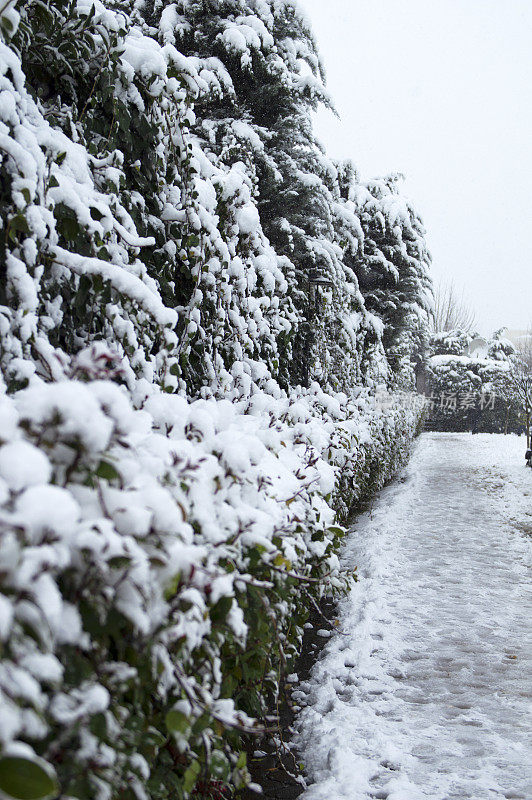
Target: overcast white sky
point(441, 90)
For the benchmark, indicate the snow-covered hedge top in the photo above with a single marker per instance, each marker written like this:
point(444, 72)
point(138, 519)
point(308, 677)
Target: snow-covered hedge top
point(452, 360)
point(471, 382)
point(467, 361)
point(152, 556)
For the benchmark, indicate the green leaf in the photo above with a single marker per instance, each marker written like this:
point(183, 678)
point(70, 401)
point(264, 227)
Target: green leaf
point(201, 723)
point(222, 608)
point(118, 562)
point(219, 765)
point(155, 737)
point(191, 776)
point(96, 213)
point(19, 223)
point(7, 24)
point(172, 586)
point(107, 471)
point(98, 726)
point(177, 722)
point(281, 561)
point(97, 283)
point(25, 779)
point(336, 531)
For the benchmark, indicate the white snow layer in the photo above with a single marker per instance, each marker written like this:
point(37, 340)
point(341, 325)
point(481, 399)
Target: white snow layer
point(425, 691)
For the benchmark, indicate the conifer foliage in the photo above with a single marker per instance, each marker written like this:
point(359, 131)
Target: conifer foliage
point(196, 307)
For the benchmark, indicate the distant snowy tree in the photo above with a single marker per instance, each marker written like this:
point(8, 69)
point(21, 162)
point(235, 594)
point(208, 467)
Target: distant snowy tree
point(451, 341)
point(519, 387)
point(524, 347)
point(522, 389)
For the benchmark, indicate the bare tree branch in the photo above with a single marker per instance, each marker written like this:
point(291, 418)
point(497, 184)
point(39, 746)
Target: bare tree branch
point(523, 347)
point(451, 310)
point(519, 387)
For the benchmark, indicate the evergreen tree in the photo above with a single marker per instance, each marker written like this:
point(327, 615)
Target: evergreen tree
point(272, 80)
point(393, 271)
point(182, 224)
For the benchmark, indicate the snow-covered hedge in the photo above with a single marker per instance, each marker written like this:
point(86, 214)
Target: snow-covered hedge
point(469, 380)
point(157, 567)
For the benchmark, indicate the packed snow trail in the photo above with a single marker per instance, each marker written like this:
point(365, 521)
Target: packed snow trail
point(425, 690)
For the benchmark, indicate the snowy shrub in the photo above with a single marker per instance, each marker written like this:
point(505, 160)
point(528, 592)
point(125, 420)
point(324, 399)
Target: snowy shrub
point(158, 564)
point(469, 380)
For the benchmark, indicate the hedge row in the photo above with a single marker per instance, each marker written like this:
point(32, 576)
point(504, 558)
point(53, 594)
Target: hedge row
point(158, 566)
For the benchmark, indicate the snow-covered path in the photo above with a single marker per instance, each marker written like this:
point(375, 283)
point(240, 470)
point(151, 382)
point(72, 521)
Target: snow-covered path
point(426, 692)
